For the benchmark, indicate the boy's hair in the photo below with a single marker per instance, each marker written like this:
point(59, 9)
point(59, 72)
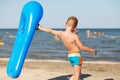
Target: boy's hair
point(74, 19)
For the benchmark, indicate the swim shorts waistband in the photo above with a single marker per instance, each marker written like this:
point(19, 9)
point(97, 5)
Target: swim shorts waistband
point(74, 54)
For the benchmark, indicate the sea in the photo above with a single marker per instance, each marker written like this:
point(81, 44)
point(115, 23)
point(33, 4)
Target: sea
point(44, 46)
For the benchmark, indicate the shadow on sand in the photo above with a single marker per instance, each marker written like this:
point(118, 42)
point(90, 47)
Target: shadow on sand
point(109, 79)
point(66, 77)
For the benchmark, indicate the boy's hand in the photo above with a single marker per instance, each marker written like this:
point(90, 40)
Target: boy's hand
point(75, 31)
point(38, 27)
point(57, 39)
point(94, 52)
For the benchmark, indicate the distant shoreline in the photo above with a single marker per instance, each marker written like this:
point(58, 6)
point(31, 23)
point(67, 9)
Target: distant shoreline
point(64, 28)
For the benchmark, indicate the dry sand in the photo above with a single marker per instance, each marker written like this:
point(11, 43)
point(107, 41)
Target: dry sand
point(61, 70)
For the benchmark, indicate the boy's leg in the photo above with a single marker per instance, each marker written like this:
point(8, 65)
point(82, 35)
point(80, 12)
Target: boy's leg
point(77, 72)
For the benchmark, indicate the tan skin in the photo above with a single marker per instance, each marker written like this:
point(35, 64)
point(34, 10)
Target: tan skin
point(72, 43)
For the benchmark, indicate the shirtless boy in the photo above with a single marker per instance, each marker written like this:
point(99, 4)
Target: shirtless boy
point(72, 43)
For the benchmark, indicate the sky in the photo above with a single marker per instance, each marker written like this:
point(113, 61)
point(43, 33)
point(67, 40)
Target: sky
point(90, 13)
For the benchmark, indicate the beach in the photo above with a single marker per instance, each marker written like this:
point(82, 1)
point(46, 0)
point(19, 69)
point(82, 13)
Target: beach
point(61, 70)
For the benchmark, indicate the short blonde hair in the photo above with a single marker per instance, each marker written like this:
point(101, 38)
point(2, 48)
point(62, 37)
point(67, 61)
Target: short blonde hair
point(75, 20)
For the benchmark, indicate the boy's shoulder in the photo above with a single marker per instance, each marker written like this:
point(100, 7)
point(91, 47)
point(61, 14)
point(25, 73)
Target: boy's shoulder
point(76, 36)
point(60, 33)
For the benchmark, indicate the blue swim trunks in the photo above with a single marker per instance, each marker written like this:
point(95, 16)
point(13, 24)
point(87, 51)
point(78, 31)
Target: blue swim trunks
point(75, 59)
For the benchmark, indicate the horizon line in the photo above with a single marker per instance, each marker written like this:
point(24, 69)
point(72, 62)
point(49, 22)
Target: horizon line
point(64, 28)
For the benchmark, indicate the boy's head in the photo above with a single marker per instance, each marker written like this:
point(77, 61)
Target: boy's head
point(72, 22)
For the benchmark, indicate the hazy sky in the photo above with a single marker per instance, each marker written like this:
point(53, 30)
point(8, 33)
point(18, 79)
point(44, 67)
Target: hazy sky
point(90, 13)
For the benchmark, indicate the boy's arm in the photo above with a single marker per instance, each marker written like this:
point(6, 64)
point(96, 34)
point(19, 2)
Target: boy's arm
point(48, 30)
point(82, 47)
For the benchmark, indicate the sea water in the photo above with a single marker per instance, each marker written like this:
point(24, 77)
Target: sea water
point(44, 47)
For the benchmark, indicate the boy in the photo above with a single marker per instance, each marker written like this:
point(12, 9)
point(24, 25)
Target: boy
point(72, 43)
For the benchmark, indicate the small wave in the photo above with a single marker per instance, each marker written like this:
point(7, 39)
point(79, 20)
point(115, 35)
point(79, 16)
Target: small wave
point(112, 37)
point(12, 36)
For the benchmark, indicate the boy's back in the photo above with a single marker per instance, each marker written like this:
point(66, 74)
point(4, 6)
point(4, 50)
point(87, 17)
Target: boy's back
point(69, 41)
